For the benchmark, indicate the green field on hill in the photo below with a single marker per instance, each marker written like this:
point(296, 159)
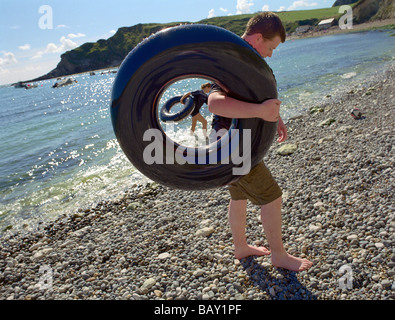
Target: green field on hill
point(319, 14)
point(290, 19)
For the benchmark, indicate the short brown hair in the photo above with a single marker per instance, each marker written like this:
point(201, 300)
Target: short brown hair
point(268, 24)
point(205, 85)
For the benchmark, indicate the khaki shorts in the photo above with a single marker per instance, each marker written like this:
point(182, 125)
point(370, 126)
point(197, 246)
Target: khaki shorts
point(258, 186)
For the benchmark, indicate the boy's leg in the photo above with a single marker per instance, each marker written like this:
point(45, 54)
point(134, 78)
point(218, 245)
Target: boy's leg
point(271, 221)
point(200, 118)
point(194, 121)
point(237, 221)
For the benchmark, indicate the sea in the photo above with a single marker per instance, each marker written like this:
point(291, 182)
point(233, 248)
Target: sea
point(59, 152)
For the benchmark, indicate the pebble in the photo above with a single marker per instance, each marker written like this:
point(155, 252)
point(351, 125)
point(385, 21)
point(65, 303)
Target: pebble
point(287, 149)
point(199, 272)
point(41, 254)
point(164, 256)
point(379, 245)
point(313, 227)
point(386, 283)
point(158, 293)
point(205, 232)
point(154, 243)
point(326, 122)
point(147, 285)
point(352, 237)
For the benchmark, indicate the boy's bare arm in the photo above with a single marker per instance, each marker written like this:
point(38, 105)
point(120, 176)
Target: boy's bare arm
point(222, 105)
point(186, 95)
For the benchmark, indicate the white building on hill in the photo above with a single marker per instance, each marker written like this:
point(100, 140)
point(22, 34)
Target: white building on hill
point(326, 24)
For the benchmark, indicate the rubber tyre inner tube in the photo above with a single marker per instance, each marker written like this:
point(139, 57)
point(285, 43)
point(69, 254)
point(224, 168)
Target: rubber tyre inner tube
point(167, 116)
point(173, 54)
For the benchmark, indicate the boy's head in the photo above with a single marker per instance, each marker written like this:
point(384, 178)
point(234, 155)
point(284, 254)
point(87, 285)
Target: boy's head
point(268, 24)
point(264, 32)
point(206, 87)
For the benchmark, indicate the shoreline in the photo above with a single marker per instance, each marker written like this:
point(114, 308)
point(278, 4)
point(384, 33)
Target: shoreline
point(156, 243)
point(362, 27)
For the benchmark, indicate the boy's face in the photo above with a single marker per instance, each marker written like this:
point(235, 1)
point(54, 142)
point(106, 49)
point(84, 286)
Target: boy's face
point(264, 46)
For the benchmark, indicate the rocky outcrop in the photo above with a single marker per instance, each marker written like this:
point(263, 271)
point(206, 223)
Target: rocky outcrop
point(343, 2)
point(365, 10)
point(84, 59)
point(386, 10)
point(371, 10)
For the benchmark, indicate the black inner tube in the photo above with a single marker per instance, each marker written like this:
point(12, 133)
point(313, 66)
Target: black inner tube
point(184, 52)
point(167, 116)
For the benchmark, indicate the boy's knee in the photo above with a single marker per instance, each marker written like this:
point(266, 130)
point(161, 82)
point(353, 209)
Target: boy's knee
point(276, 201)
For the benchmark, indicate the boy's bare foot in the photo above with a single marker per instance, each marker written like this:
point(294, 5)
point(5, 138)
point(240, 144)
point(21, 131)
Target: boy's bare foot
point(246, 251)
point(289, 262)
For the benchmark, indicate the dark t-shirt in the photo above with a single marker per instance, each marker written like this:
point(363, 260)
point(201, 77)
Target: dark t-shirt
point(219, 122)
point(199, 98)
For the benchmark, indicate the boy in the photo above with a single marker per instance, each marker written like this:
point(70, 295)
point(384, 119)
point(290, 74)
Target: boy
point(200, 98)
point(264, 32)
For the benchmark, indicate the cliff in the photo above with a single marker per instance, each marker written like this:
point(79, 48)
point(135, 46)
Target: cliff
point(343, 2)
point(103, 53)
point(371, 10)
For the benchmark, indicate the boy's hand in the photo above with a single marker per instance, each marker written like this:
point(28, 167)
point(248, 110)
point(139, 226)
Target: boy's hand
point(282, 131)
point(271, 110)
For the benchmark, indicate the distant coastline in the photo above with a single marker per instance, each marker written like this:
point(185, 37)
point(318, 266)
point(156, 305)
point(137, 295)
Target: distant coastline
point(367, 26)
point(362, 27)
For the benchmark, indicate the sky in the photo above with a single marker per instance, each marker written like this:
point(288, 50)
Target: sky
point(34, 33)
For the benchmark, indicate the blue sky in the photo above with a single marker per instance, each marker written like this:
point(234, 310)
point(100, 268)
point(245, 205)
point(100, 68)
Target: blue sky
point(34, 33)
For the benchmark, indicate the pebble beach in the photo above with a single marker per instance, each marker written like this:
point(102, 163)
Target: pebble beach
point(155, 243)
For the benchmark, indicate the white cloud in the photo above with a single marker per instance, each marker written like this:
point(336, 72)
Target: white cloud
point(211, 14)
point(265, 8)
point(61, 26)
point(38, 55)
point(65, 45)
point(26, 70)
point(282, 8)
point(25, 47)
point(51, 48)
point(78, 35)
point(108, 34)
point(302, 4)
point(223, 10)
point(243, 6)
point(8, 58)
